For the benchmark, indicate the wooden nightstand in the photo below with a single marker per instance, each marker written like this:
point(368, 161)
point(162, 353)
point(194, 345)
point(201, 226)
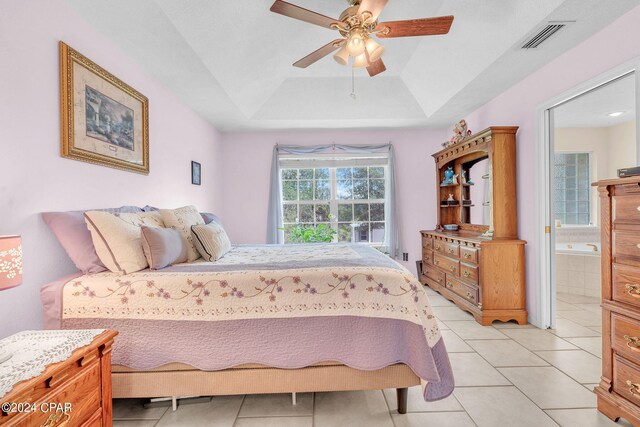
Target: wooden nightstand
point(60, 378)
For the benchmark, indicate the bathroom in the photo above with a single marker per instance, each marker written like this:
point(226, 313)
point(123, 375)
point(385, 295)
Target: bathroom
point(595, 135)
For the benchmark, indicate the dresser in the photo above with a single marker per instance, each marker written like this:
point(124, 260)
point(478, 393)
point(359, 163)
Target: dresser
point(483, 276)
point(619, 389)
point(56, 379)
point(481, 266)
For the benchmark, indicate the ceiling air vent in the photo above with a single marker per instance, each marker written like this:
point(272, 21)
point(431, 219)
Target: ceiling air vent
point(540, 37)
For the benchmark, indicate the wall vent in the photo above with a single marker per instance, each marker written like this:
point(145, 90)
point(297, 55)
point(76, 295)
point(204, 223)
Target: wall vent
point(544, 35)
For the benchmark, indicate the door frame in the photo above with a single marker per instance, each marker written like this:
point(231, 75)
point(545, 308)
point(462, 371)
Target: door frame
point(545, 234)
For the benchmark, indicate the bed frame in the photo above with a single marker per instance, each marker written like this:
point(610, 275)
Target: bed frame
point(176, 379)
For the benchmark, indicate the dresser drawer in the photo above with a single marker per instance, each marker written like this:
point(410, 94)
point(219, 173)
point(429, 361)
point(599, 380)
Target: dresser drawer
point(625, 338)
point(469, 254)
point(434, 274)
point(427, 257)
point(626, 379)
point(466, 291)
point(626, 247)
point(427, 243)
point(469, 272)
point(626, 284)
point(452, 250)
point(451, 266)
point(626, 209)
point(82, 391)
point(438, 246)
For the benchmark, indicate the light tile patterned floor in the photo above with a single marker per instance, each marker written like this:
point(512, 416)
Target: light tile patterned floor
point(506, 375)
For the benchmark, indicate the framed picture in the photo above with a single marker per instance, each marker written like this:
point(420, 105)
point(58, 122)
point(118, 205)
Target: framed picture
point(195, 173)
point(103, 120)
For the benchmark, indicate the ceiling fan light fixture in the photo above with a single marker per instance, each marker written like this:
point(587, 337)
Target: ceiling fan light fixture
point(342, 56)
point(361, 61)
point(356, 44)
point(374, 49)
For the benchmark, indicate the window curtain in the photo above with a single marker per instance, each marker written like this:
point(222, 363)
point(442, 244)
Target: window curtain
point(274, 217)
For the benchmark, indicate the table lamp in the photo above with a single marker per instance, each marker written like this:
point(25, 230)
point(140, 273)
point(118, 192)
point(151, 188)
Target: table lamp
point(10, 269)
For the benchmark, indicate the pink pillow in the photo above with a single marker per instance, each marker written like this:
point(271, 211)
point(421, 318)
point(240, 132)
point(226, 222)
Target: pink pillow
point(71, 231)
point(163, 246)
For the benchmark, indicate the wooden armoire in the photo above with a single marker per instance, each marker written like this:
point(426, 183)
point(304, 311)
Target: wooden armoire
point(481, 266)
point(619, 388)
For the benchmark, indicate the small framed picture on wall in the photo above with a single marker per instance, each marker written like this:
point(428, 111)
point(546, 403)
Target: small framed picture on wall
point(196, 173)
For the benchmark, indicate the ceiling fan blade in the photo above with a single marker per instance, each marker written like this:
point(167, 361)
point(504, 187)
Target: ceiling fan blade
point(318, 54)
point(373, 6)
point(376, 68)
point(416, 27)
point(297, 12)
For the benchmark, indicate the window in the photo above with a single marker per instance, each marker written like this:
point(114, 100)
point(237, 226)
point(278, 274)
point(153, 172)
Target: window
point(572, 192)
point(349, 199)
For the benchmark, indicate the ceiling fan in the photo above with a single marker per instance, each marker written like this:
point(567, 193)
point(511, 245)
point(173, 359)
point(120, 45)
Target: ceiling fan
point(357, 25)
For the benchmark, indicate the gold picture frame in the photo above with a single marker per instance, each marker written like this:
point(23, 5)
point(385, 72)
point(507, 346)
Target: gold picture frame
point(103, 120)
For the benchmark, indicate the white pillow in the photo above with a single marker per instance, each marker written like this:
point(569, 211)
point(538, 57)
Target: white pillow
point(182, 219)
point(211, 240)
point(116, 238)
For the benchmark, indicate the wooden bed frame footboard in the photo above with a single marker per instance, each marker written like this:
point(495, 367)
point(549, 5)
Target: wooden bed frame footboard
point(167, 382)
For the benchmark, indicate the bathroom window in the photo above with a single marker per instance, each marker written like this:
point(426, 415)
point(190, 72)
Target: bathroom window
point(572, 192)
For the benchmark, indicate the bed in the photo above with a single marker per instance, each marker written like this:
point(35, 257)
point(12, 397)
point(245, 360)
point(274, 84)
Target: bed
point(263, 319)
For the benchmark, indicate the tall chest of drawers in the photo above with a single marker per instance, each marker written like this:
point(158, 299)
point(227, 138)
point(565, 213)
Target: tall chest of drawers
point(619, 388)
point(484, 276)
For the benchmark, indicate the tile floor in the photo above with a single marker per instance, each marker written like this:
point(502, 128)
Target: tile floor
point(506, 375)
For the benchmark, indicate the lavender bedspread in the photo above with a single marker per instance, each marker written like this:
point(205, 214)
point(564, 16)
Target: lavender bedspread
point(285, 306)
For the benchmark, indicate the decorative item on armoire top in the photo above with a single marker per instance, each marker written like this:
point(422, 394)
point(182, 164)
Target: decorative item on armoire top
point(103, 120)
point(196, 173)
point(460, 132)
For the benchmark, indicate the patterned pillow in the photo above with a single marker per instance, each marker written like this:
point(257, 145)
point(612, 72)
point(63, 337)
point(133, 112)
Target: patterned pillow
point(211, 240)
point(116, 238)
point(163, 246)
point(182, 219)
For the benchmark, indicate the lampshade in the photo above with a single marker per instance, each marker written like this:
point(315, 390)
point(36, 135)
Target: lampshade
point(10, 261)
point(374, 50)
point(361, 61)
point(355, 44)
point(342, 56)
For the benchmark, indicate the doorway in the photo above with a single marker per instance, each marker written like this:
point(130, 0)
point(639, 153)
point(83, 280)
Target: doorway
point(588, 136)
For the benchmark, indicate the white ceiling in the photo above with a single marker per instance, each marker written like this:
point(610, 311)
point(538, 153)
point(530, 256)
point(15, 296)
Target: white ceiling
point(593, 108)
point(231, 60)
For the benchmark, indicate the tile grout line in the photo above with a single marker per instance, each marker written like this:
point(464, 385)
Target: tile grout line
point(235, 421)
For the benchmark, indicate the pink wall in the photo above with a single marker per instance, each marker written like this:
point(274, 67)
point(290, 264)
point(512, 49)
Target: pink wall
point(614, 45)
point(247, 166)
point(33, 176)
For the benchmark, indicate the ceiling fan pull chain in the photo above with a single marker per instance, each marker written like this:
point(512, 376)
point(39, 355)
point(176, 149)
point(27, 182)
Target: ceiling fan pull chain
point(353, 84)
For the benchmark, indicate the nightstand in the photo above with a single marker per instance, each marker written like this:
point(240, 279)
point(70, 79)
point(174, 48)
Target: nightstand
point(57, 378)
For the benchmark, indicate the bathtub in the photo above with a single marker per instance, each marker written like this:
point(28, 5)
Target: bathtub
point(578, 269)
point(578, 248)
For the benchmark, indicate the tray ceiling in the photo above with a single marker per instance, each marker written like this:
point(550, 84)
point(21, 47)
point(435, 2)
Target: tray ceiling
point(231, 61)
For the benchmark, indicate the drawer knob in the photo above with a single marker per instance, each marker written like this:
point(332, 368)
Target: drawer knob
point(438, 247)
point(632, 342)
point(450, 250)
point(449, 285)
point(440, 280)
point(469, 295)
point(467, 255)
point(633, 290)
point(436, 262)
point(634, 388)
point(466, 273)
point(452, 267)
